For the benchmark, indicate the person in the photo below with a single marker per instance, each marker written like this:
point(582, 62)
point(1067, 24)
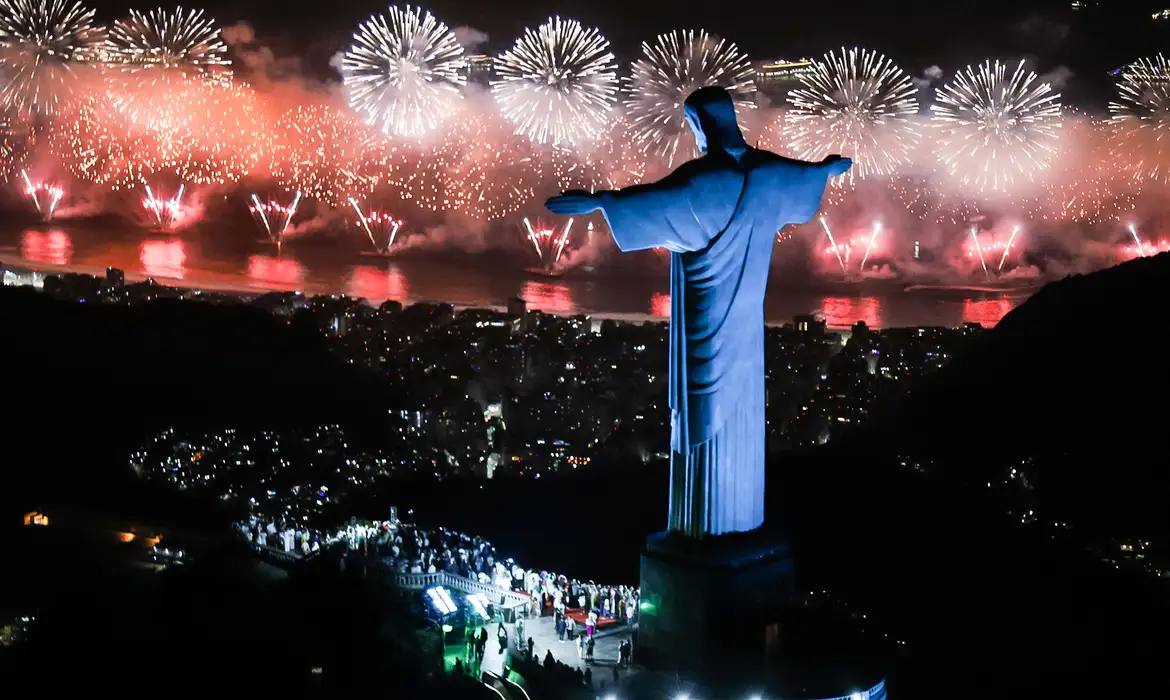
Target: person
point(502, 637)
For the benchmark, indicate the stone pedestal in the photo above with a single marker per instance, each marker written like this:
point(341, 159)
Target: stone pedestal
point(705, 603)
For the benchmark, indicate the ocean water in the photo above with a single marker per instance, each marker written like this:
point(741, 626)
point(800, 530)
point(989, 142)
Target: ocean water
point(240, 262)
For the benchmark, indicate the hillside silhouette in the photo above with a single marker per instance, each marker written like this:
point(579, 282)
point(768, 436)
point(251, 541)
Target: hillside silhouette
point(1075, 377)
point(88, 382)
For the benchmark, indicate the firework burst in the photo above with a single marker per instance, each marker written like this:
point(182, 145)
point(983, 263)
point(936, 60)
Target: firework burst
point(557, 84)
point(857, 103)
point(196, 131)
point(43, 46)
point(16, 141)
point(994, 129)
point(488, 172)
point(672, 68)
point(328, 155)
point(152, 44)
point(1140, 118)
point(404, 73)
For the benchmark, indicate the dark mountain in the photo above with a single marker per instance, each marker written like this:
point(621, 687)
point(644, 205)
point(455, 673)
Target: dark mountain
point(1077, 376)
point(87, 382)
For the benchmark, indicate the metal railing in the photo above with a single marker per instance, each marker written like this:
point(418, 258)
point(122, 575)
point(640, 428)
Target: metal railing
point(495, 594)
point(878, 692)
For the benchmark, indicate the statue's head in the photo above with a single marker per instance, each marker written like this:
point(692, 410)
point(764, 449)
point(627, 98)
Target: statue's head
point(711, 115)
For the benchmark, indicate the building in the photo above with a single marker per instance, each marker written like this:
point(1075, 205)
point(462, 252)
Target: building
point(774, 78)
point(809, 324)
point(479, 68)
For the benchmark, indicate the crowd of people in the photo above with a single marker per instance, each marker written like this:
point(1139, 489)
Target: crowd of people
point(578, 607)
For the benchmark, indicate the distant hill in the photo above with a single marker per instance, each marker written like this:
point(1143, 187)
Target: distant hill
point(1079, 375)
point(1084, 363)
point(86, 382)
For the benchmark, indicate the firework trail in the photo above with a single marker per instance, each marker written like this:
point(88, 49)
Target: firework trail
point(995, 130)
point(672, 68)
point(149, 45)
point(1007, 249)
point(1140, 119)
point(836, 251)
point(165, 213)
point(857, 103)
point(557, 84)
point(44, 196)
point(43, 46)
point(548, 242)
point(379, 226)
point(979, 251)
point(1137, 241)
point(404, 74)
point(877, 228)
point(274, 218)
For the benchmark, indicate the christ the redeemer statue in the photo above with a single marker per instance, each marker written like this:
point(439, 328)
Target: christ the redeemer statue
point(718, 216)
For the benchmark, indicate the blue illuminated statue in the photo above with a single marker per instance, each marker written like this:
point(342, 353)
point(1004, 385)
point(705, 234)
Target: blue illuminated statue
point(718, 216)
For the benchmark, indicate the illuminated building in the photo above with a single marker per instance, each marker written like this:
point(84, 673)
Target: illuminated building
point(479, 68)
point(774, 78)
point(808, 324)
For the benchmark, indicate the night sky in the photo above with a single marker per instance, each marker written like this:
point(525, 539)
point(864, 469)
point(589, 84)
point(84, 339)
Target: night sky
point(915, 33)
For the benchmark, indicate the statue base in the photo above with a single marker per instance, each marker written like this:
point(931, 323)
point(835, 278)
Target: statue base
point(706, 603)
point(718, 618)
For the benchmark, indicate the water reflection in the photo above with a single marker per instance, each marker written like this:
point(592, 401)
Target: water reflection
point(274, 271)
point(843, 312)
point(986, 312)
point(46, 247)
point(376, 285)
point(660, 305)
point(163, 257)
point(547, 296)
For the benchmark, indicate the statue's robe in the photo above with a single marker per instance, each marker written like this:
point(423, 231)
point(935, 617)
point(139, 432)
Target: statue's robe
point(718, 215)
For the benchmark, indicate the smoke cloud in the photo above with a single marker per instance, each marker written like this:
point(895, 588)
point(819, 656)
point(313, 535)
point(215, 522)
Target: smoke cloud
point(471, 38)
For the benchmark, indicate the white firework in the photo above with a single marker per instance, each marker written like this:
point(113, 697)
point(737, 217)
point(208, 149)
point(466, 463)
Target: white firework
point(178, 40)
point(995, 130)
point(404, 71)
point(43, 44)
point(857, 103)
point(557, 84)
point(672, 68)
point(1140, 119)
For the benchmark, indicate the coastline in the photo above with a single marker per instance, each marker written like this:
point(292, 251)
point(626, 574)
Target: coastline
point(11, 260)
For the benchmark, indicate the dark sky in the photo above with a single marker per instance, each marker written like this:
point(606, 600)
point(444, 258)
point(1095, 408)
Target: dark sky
point(916, 33)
